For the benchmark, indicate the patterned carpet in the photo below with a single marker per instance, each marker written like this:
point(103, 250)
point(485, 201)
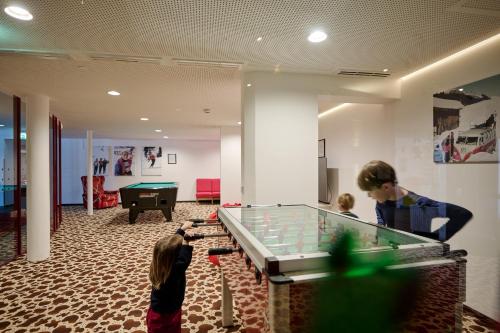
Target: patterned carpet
point(97, 278)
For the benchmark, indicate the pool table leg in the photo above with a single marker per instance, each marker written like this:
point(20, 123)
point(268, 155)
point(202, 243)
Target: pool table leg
point(167, 212)
point(132, 215)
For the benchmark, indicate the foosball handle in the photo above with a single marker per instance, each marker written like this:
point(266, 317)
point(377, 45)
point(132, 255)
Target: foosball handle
point(220, 250)
point(457, 254)
point(193, 237)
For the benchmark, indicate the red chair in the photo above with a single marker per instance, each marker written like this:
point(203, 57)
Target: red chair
point(102, 198)
point(203, 189)
point(215, 189)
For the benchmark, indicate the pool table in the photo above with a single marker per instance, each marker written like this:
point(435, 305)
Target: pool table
point(149, 196)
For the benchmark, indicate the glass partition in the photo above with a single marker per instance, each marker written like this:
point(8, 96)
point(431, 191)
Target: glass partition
point(8, 227)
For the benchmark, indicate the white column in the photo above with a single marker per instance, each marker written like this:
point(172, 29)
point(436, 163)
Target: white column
point(230, 164)
point(38, 191)
point(90, 174)
point(280, 140)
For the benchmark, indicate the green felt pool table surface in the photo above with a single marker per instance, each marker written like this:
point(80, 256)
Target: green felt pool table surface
point(154, 185)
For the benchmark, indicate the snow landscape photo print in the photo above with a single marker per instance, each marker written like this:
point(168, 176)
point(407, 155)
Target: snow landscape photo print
point(464, 123)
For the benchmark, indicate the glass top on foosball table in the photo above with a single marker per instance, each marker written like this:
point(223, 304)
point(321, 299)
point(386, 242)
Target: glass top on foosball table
point(301, 229)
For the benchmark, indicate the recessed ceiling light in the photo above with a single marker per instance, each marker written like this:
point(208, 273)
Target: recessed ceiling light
point(249, 84)
point(144, 119)
point(158, 130)
point(18, 13)
point(165, 137)
point(239, 122)
point(113, 93)
point(206, 110)
point(386, 69)
point(259, 39)
point(461, 89)
point(317, 36)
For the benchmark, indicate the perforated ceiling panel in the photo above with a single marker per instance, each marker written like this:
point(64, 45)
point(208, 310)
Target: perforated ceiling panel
point(364, 35)
point(372, 34)
point(173, 98)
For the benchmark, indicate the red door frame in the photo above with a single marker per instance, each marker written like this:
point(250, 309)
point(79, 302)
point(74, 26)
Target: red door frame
point(17, 165)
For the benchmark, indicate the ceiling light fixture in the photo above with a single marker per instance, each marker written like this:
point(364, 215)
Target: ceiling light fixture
point(454, 56)
point(2, 125)
point(207, 110)
point(249, 84)
point(158, 130)
point(317, 37)
point(113, 93)
point(165, 137)
point(239, 122)
point(144, 119)
point(327, 112)
point(461, 89)
point(385, 69)
point(18, 13)
point(259, 39)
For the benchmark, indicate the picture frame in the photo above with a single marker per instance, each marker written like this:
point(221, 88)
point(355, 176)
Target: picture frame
point(172, 158)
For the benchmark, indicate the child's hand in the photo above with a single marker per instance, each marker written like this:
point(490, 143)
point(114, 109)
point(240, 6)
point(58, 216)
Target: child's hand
point(186, 241)
point(187, 225)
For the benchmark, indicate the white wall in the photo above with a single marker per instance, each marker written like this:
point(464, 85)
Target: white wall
point(195, 159)
point(280, 132)
point(354, 135)
point(408, 143)
point(474, 186)
point(230, 160)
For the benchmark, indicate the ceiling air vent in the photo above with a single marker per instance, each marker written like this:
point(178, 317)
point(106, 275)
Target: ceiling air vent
point(125, 58)
point(355, 72)
point(36, 54)
point(207, 63)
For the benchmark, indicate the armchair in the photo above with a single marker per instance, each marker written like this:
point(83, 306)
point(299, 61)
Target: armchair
point(101, 198)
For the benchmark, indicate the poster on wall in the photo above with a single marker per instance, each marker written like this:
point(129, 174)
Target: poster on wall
point(465, 120)
point(101, 155)
point(151, 161)
point(123, 159)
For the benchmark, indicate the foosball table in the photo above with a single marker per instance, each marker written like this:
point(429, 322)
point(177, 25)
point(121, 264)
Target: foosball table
point(285, 250)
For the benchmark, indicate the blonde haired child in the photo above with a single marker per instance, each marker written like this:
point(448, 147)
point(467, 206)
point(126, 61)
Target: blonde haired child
point(167, 273)
point(345, 203)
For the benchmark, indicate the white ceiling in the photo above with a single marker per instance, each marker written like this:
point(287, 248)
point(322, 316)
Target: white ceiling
point(401, 35)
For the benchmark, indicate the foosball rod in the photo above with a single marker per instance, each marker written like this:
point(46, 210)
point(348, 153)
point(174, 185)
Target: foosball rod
point(196, 224)
point(200, 236)
point(203, 220)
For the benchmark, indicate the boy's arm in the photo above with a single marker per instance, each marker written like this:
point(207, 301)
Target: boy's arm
point(422, 219)
point(458, 217)
point(380, 218)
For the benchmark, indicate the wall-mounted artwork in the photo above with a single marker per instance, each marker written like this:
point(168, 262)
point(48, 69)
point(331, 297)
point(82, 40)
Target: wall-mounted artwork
point(151, 161)
point(464, 123)
point(172, 158)
point(101, 155)
point(123, 159)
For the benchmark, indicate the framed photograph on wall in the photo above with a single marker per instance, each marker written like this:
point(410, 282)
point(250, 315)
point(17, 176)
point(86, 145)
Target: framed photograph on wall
point(464, 123)
point(172, 158)
point(123, 158)
point(101, 158)
point(151, 161)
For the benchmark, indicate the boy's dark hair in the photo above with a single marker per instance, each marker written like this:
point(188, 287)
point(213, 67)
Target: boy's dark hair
point(374, 174)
